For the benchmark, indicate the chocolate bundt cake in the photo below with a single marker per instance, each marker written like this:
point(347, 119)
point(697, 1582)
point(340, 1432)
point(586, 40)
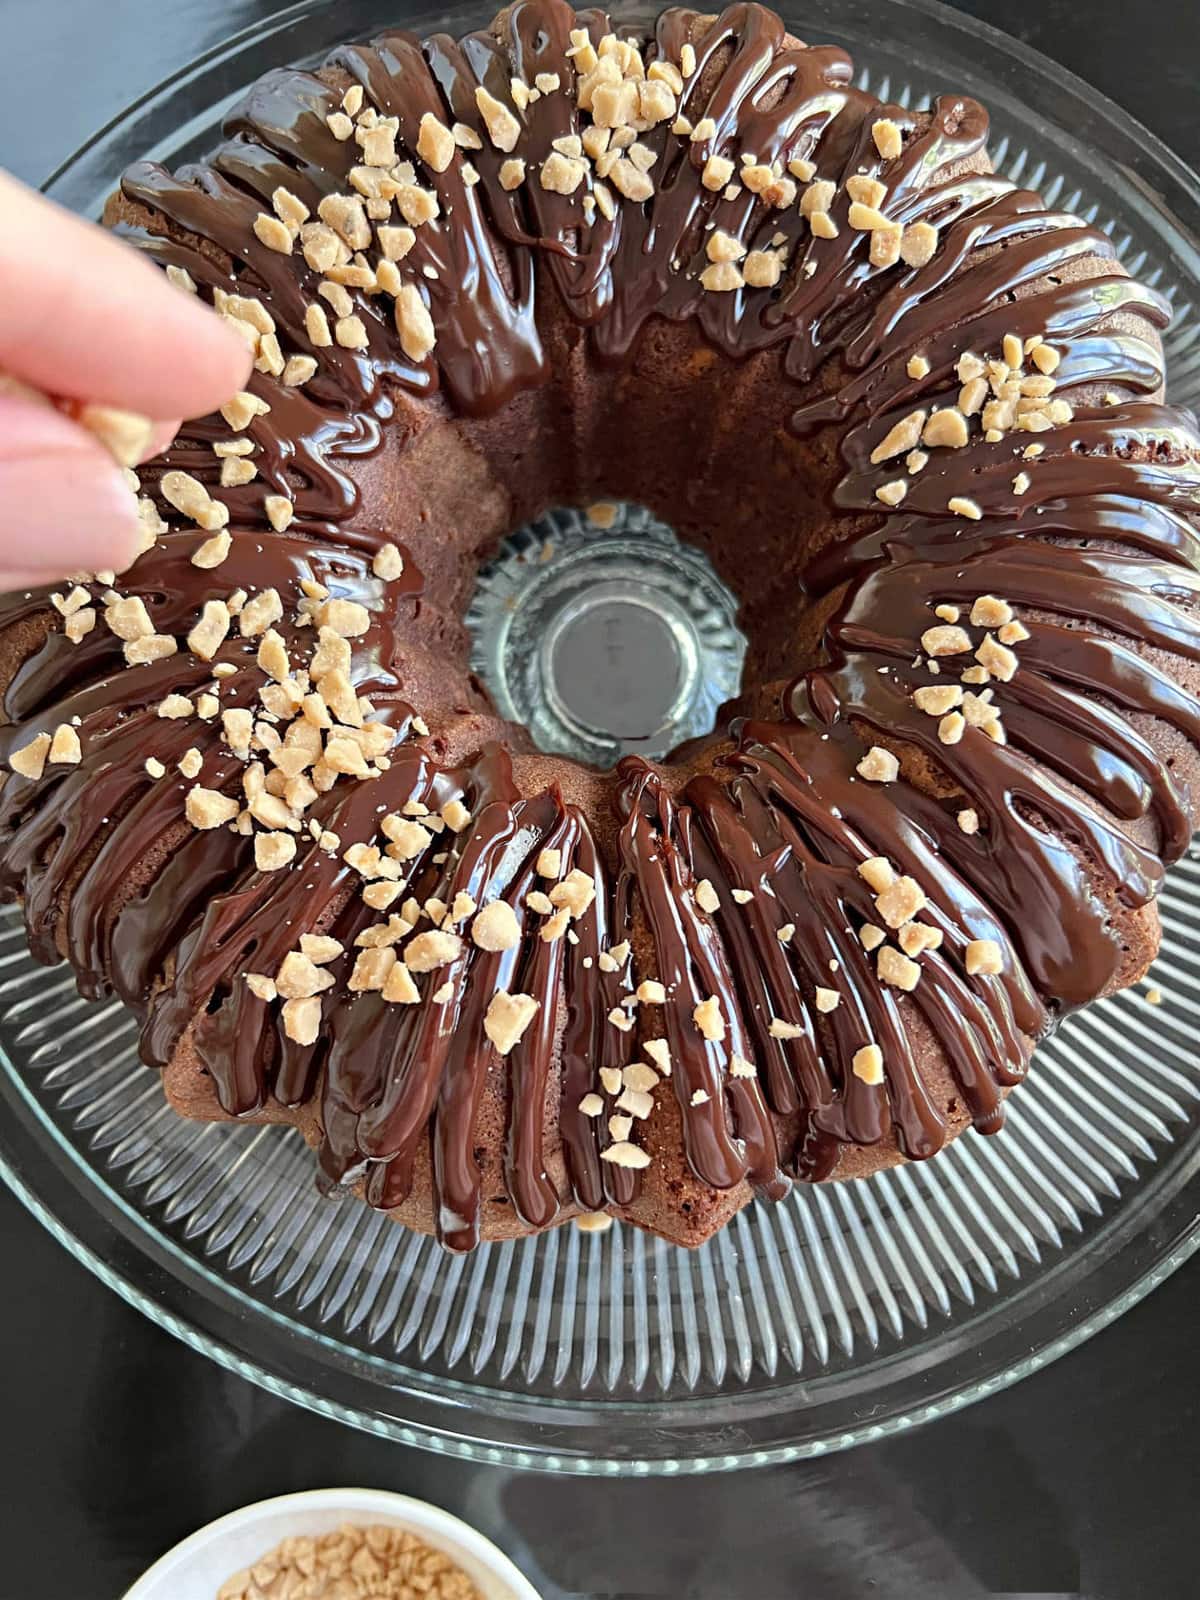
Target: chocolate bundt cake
point(913, 416)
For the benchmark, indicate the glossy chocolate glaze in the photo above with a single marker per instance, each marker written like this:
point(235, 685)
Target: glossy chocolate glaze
point(1078, 810)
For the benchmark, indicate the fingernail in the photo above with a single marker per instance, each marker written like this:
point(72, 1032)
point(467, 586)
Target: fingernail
point(65, 511)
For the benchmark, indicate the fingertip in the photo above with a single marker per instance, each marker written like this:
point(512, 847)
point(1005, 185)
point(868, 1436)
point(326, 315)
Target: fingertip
point(218, 362)
point(209, 360)
point(134, 340)
point(162, 436)
point(65, 506)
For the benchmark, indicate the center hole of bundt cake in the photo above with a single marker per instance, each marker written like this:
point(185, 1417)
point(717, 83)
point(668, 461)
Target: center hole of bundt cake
point(605, 634)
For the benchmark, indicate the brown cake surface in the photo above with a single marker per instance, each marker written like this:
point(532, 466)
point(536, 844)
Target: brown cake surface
point(915, 420)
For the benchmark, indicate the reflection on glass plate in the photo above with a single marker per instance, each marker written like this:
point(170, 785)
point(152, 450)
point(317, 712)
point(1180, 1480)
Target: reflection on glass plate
point(846, 1313)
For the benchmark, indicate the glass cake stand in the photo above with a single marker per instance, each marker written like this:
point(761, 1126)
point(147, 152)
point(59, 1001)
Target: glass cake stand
point(844, 1314)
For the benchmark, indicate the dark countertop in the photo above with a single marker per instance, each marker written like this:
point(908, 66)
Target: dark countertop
point(1079, 1480)
point(121, 1441)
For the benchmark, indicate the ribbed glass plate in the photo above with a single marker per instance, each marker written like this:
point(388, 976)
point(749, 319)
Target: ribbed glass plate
point(843, 1314)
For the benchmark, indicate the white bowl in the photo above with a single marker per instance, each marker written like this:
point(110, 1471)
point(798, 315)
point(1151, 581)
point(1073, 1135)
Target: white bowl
point(196, 1569)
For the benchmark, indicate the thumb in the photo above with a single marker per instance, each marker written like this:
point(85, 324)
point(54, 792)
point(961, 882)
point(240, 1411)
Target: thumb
point(65, 505)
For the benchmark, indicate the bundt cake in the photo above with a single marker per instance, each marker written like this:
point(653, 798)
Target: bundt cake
point(913, 416)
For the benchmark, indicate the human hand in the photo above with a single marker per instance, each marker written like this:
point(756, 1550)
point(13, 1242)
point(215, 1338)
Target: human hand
point(87, 321)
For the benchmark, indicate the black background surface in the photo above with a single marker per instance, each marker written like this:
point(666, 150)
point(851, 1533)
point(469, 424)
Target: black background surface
point(117, 1441)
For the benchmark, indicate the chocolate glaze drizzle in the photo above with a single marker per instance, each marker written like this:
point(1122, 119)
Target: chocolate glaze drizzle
point(1079, 810)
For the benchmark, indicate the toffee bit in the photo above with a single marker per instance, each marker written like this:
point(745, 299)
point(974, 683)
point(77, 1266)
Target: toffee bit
point(896, 969)
point(507, 1018)
point(867, 1064)
point(878, 766)
point(503, 129)
point(779, 1029)
point(30, 759)
point(188, 495)
point(549, 863)
point(124, 434)
point(208, 808)
point(709, 1021)
point(918, 246)
point(983, 956)
point(990, 612)
point(65, 749)
point(887, 138)
point(387, 563)
point(706, 897)
point(964, 507)
point(214, 550)
point(435, 143)
point(496, 927)
point(414, 323)
point(624, 1154)
point(575, 892)
point(904, 436)
point(660, 1053)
